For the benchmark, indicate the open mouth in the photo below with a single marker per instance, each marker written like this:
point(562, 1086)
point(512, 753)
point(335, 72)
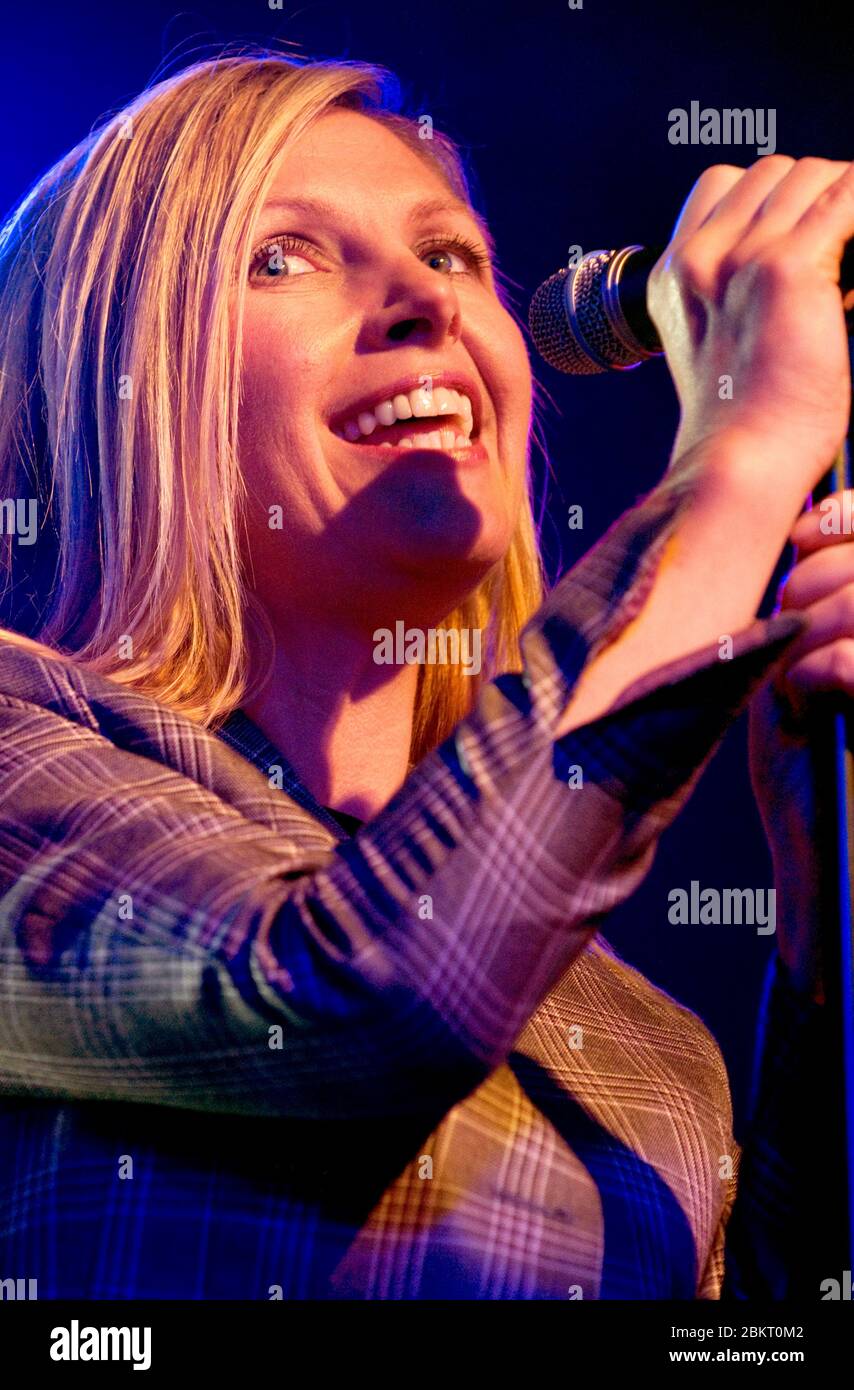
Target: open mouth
point(417, 434)
point(425, 418)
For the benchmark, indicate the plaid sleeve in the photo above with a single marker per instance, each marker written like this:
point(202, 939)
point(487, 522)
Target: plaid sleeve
point(712, 1279)
point(161, 944)
point(777, 1205)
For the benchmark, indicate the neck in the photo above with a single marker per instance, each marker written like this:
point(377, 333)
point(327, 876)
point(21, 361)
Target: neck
point(343, 722)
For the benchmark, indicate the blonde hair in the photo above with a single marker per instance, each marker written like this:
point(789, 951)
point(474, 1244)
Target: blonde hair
point(119, 389)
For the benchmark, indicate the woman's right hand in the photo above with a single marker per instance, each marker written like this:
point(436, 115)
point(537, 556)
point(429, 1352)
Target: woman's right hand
point(748, 290)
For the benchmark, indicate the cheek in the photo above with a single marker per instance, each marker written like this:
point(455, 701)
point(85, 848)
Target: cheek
point(283, 368)
point(277, 435)
point(511, 384)
point(512, 394)
point(266, 403)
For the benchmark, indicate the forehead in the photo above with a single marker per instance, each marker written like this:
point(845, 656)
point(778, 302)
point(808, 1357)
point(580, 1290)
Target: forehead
point(353, 145)
point(350, 163)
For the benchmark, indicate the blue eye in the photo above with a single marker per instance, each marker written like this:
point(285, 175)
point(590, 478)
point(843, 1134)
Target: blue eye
point(475, 255)
point(268, 262)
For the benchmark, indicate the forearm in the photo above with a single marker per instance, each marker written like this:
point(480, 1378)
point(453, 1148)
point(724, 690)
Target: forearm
point(712, 574)
point(262, 971)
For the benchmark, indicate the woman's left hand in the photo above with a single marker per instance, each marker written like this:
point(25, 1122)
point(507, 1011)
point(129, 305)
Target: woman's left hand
point(819, 662)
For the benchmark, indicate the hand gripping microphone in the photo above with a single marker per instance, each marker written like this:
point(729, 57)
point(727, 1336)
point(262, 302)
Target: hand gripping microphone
point(592, 317)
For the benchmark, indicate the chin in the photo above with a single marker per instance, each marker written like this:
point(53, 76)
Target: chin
point(458, 534)
point(456, 569)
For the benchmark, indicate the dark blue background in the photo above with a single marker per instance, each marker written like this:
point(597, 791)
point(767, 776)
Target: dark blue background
point(563, 114)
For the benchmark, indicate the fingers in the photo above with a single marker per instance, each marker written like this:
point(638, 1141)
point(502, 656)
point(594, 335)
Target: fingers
point(780, 203)
point(809, 201)
point(711, 186)
point(824, 227)
point(831, 619)
point(735, 211)
point(821, 585)
point(828, 670)
point(829, 523)
point(820, 574)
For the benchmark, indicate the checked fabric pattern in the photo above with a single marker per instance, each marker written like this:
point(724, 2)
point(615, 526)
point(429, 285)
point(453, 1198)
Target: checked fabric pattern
point(325, 1090)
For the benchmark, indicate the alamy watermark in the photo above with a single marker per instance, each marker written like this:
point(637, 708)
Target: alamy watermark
point(438, 646)
point(727, 126)
point(18, 517)
point(76, 1343)
point(837, 515)
point(834, 1290)
point(17, 1290)
point(714, 907)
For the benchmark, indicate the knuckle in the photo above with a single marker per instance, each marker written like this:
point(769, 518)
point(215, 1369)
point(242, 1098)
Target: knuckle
point(842, 191)
point(718, 179)
point(813, 163)
point(781, 162)
point(692, 266)
point(735, 260)
point(777, 266)
point(841, 660)
point(715, 173)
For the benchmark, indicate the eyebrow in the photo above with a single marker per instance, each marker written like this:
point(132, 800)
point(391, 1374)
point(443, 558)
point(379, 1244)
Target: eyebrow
point(419, 212)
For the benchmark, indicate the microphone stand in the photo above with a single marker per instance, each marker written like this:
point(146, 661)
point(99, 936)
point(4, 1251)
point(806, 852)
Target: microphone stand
point(833, 762)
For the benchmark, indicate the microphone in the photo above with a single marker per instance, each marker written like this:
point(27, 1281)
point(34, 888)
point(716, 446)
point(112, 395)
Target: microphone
point(592, 317)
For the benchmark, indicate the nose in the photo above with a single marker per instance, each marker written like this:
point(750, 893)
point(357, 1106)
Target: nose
point(420, 306)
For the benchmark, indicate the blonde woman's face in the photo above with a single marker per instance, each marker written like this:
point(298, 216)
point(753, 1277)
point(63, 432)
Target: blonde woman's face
point(366, 310)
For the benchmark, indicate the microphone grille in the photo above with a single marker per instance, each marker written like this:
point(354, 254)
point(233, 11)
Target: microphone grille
point(549, 323)
point(570, 325)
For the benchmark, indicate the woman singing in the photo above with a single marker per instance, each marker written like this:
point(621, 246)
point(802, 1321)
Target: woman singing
point(311, 802)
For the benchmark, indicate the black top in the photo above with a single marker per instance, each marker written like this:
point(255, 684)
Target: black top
point(347, 822)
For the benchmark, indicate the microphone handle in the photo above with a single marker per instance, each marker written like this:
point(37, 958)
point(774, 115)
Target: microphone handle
point(633, 282)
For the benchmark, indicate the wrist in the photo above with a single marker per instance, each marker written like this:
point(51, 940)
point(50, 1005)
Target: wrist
point(746, 468)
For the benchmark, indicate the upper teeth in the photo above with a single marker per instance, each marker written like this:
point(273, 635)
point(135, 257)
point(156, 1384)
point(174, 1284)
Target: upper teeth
point(418, 404)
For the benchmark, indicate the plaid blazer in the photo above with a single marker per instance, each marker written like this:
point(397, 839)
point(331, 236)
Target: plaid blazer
point(245, 1055)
